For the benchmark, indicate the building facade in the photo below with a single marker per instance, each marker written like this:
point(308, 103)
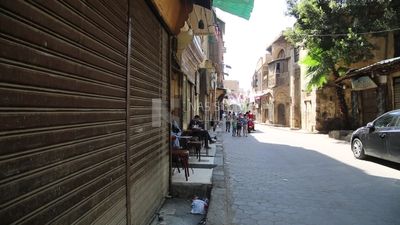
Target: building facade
point(232, 85)
point(370, 90)
point(277, 96)
point(368, 93)
point(257, 89)
point(374, 86)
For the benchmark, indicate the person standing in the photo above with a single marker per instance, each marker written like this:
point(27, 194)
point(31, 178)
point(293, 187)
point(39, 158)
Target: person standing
point(245, 125)
point(228, 120)
point(239, 125)
point(234, 125)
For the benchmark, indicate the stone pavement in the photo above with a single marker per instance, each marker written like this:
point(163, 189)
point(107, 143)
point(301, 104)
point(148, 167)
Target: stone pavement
point(176, 211)
point(282, 177)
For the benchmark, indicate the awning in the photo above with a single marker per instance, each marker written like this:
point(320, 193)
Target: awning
point(241, 8)
point(254, 97)
point(362, 83)
point(383, 67)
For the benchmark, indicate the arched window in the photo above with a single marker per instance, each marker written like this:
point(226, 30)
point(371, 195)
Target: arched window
point(281, 54)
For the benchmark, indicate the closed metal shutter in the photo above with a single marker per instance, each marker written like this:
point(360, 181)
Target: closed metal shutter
point(63, 112)
point(396, 90)
point(149, 152)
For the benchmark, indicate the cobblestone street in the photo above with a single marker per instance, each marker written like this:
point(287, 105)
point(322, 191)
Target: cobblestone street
point(280, 176)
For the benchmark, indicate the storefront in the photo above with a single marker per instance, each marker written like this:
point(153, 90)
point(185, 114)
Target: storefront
point(375, 89)
point(84, 101)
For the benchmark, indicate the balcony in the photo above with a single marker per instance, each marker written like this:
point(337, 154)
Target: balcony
point(281, 79)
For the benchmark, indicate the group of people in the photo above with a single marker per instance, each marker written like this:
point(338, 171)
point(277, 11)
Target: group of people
point(195, 128)
point(238, 123)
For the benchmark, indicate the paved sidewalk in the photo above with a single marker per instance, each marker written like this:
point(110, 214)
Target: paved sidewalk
point(176, 211)
point(205, 180)
point(218, 212)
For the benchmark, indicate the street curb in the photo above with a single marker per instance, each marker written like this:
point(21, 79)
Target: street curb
point(218, 209)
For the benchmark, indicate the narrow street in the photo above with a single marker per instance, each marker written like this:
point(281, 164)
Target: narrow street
point(282, 176)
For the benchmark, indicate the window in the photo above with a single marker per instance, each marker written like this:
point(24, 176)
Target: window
point(296, 54)
point(384, 121)
point(281, 54)
point(277, 68)
point(397, 122)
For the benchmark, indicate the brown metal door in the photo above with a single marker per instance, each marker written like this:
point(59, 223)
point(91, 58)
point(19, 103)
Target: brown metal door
point(62, 112)
point(369, 105)
point(149, 152)
point(396, 93)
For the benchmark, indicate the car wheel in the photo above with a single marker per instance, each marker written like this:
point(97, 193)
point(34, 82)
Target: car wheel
point(358, 148)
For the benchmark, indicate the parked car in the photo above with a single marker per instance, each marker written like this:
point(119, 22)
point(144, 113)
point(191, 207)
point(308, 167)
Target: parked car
point(379, 138)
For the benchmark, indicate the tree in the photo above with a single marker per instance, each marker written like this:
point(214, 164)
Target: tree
point(336, 34)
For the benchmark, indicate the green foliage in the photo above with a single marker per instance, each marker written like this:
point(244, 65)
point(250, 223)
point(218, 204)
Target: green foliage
point(336, 32)
point(317, 73)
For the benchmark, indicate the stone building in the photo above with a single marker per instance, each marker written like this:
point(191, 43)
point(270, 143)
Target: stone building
point(374, 86)
point(370, 88)
point(232, 85)
point(257, 89)
point(278, 101)
point(234, 97)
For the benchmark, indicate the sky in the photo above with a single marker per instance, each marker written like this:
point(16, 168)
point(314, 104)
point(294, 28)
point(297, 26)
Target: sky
point(246, 40)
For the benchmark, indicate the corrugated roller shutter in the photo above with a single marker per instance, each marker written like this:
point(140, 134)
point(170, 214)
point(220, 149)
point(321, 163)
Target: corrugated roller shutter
point(149, 133)
point(396, 90)
point(63, 112)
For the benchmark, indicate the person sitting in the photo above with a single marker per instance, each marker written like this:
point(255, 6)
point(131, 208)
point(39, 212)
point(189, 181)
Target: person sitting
point(176, 131)
point(197, 129)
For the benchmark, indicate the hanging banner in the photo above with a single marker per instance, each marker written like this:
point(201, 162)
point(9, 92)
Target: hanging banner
point(241, 8)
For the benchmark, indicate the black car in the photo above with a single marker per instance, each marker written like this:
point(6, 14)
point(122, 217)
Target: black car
point(380, 138)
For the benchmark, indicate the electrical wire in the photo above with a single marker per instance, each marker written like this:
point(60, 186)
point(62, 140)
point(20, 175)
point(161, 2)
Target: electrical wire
point(343, 34)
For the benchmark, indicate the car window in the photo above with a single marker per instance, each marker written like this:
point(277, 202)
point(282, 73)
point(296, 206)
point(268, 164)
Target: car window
point(397, 122)
point(384, 121)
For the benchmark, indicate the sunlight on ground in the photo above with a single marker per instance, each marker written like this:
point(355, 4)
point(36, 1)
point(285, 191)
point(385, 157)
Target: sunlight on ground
point(334, 149)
